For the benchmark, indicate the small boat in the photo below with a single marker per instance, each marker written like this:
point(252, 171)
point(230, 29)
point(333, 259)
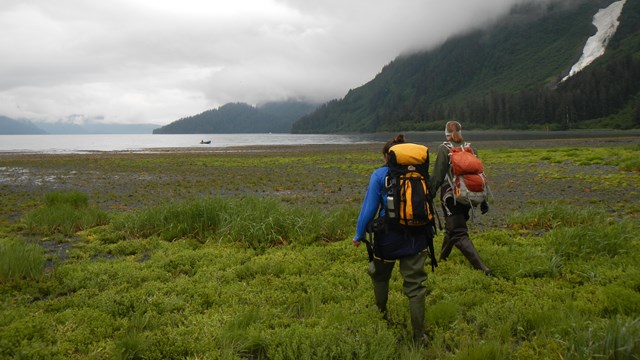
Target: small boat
point(205, 142)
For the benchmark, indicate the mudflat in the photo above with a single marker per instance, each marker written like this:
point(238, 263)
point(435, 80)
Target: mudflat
point(521, 173)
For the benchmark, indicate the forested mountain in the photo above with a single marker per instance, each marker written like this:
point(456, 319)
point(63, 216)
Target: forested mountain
point(506, 76)
point(274, 117)
point(9, 126)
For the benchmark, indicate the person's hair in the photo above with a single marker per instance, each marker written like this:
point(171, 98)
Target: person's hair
point(399, 139)
point(455, 129)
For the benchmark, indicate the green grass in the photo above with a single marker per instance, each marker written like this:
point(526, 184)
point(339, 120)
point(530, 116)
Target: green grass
point(253, 222)
point(64, 213)
point(553, 215)
point(616, 338)
point(590, 240)
point(201, 268)
point(630, 164)
point(623, 157)
point(20, 260)
point(73, 199)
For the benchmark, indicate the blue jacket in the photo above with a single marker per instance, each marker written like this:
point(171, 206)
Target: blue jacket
point(374, 201)
point(395, 242)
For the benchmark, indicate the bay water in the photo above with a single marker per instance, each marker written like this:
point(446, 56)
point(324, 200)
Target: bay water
point(148, 142)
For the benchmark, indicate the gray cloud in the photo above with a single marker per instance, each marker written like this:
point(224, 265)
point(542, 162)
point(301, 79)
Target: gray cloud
point(154, 61)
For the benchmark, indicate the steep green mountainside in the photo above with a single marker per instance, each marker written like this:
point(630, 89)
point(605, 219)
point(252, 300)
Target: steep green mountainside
point(276, 117)
point(9, 126)
point(506, 76)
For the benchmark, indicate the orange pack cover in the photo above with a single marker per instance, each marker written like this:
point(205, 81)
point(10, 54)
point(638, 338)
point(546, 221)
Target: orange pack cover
point(463, 161)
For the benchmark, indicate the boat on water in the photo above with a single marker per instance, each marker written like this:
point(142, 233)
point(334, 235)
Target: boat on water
point(205, 142)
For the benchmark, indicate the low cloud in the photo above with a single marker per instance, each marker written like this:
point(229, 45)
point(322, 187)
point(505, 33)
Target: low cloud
point(154, 61)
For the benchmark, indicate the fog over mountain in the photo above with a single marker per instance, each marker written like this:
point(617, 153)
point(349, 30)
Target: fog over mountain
point(508, 76)
point(152, 62)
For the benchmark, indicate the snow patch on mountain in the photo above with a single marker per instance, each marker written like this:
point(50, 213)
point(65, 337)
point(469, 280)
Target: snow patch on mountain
point(606, 21)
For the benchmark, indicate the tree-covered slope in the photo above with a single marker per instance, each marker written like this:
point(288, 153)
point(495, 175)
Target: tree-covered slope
point(504, 76)
point(275, 117)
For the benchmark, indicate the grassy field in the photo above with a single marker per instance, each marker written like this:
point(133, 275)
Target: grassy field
point(246, 253)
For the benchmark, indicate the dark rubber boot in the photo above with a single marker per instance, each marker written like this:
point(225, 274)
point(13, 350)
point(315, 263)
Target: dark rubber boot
point(381, 293)
point(455, 228)
point(416, 310)
point(380, 274)
point(466, 247)
point(447, 245)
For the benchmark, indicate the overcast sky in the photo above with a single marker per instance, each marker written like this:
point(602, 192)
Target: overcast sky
point(155, 61)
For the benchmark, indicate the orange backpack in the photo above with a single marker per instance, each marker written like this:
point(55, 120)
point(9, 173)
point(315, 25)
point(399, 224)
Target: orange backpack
point(466, 176)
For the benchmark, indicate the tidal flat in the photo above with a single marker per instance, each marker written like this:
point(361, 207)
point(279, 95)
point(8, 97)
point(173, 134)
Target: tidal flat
point(149, 274)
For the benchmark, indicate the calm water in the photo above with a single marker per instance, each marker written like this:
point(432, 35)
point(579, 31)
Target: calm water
point(147, 142)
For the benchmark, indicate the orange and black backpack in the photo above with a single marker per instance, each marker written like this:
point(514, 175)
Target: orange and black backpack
point(409, 203)
point(408, 200)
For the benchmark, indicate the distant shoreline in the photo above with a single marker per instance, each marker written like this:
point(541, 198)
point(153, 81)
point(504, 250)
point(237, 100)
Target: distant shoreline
point(58, 145)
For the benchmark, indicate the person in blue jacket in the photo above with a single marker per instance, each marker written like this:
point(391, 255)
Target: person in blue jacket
point(407, 246)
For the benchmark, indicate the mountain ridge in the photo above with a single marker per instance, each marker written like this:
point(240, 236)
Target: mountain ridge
point(9, 126)
point(271, 117)
point(505, 76)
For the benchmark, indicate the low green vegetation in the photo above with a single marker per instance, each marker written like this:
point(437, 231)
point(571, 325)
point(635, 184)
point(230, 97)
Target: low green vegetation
point(624, 158)
point(20, 260)
point(163, 265)
point(555, 215)
point(64, 213)
point(256, 223)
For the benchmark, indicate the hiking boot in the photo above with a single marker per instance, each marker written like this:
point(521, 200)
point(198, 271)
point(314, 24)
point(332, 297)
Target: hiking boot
point(421, 341)
point(489, 273)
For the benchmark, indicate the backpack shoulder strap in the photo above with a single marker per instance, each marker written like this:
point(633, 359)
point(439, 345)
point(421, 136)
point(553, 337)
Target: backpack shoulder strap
point(467, 147)
point(449, 145)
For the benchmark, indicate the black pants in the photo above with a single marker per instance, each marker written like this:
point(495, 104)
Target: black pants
point(456, 234)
